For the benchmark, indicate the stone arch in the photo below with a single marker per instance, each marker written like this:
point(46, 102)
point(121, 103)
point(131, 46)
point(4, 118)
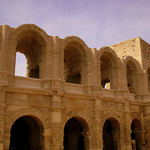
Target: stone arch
point(26, 27)
point(76, 121)
point(133, 72)
point(138, 123)
point(110, 51)
point(136, 63)
point(81, 116)
point(76, 39)
point(26, 133)
point(112, 115)
point(136, 116)
point(77, 56)
point(36, 114)
point(109, 68)
point(111, 132)
point(28, 114)
point(31, 41)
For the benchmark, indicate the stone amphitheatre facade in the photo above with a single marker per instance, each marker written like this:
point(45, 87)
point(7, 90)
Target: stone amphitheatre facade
point(74, 97)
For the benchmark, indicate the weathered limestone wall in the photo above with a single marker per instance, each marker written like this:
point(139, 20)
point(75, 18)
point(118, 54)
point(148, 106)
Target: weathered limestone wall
point(52, 101)
point(145, 50)
point(130, 47)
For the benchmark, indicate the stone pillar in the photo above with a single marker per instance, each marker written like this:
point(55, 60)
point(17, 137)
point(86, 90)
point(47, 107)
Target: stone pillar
point(47, 140)
point(115, 78)
point(86, 140)
point(146, 84)
point(93, 68)
point(99, 80)
point(11, 62)
point(121, 137)
point(56, 120)
point(126, 133)
point(3, 53)
point(47, 62)
point(99, 138)
point(56, 136)
point(4, 47)
point(97, 122)
point(46, 68)
point(90, 68)
point(126, 141)
point(6, 141)
point(2, 108)
point(1, 124)
point(147, 136)
point(56, 61)
point(84, 72)
point(123, 77)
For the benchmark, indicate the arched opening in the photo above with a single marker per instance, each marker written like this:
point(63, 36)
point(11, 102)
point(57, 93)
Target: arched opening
point(32, 45)
point(136, 134)
point(74, 66)
point(26, 134)
point(111, 135)
point(108, 69)
point(75, 137)
point(132, 80)
point(21, 64)
point(148, 76)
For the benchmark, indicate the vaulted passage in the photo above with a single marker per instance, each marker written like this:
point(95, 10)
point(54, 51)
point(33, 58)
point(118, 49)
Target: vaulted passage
point(26, 135)
point(132, 77)
point(111, 134)
point(136, 134)
point(72, 65)
point(108, 71)
point(75, 62)
point(130, 80)
point(73, 138)
point(32, 45)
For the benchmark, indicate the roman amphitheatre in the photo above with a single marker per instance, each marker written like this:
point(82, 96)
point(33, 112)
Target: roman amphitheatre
point(73, 97)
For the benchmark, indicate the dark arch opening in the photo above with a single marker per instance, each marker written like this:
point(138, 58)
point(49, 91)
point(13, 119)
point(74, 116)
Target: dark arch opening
point(111, 134)
point(108, 70)
point(73, 138)
point(72, 64)
point(132, 77)
point(108, 141)
point(32, 45)
point(26, 134)
point(136, 134)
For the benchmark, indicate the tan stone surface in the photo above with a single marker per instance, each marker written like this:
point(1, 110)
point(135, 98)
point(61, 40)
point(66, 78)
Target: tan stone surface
point(69, 82)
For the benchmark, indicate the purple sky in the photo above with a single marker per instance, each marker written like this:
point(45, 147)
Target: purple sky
point(97, 22)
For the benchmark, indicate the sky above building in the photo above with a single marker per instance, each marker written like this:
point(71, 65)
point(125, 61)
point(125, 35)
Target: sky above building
point(97, 22)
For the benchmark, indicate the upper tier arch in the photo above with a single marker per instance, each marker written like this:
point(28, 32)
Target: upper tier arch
point(112, 55)
point(77, 58)
point(136, 66)
point(18, 32)
point(77, 41)
point(109, 68)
